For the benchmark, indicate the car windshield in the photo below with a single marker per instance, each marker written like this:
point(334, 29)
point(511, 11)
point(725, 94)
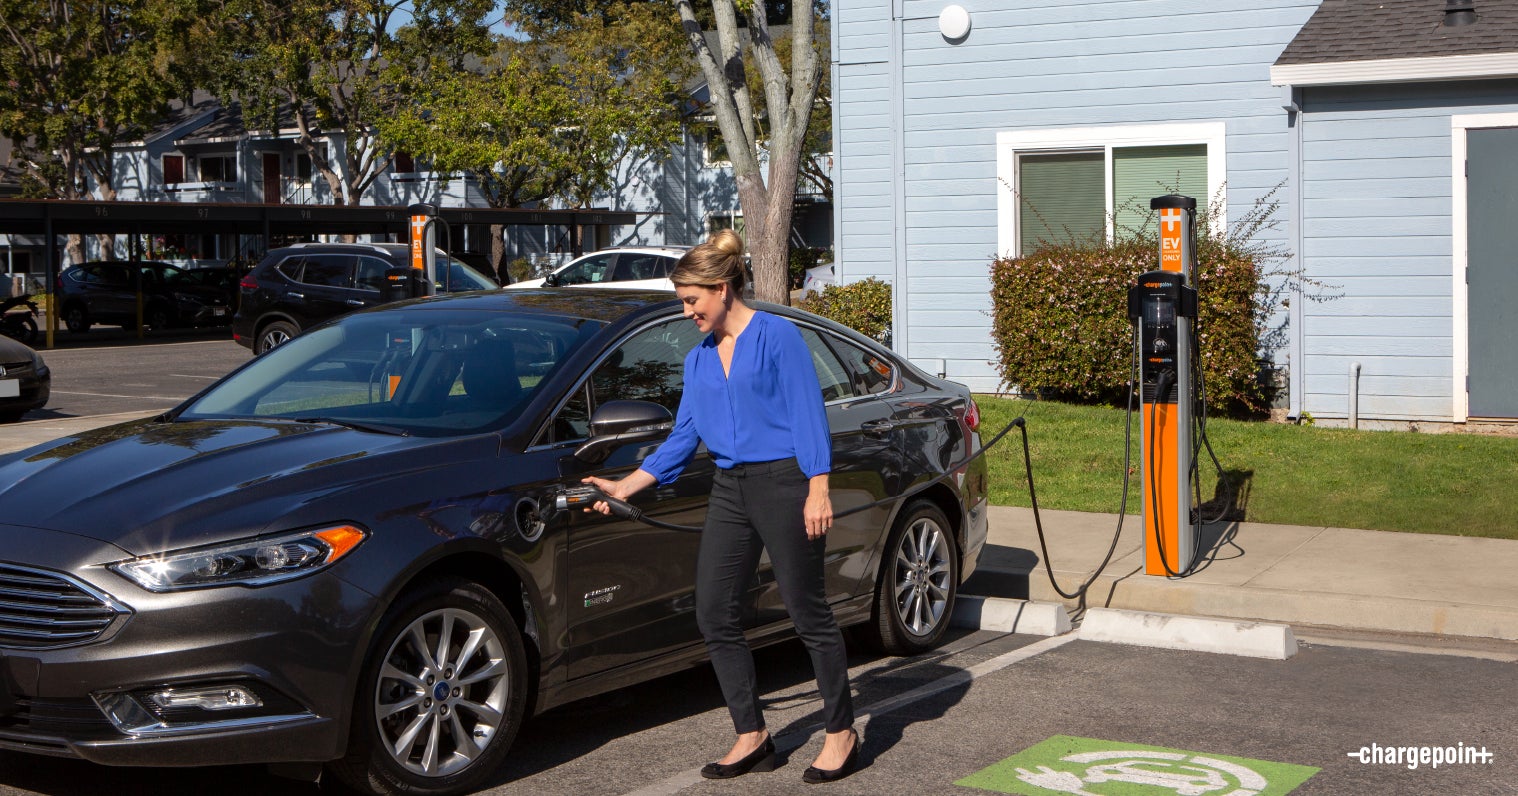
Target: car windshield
point(428, 372)
point(455, 277)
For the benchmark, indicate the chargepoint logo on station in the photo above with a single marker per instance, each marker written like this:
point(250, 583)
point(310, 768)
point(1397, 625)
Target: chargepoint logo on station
point(1091, 767)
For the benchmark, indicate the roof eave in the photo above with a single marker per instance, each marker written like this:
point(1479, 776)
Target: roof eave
point(1486, 66)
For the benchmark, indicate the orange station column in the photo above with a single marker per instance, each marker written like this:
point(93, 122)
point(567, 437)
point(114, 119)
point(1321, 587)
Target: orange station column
point(1165, 315)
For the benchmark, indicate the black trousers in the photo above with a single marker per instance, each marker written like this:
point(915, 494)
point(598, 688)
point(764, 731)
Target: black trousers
point(758, 507)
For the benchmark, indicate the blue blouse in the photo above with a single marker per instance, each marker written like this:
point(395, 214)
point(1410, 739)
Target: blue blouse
point(769, 407)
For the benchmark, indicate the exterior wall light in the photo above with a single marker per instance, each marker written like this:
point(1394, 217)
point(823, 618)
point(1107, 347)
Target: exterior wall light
point(954, 23)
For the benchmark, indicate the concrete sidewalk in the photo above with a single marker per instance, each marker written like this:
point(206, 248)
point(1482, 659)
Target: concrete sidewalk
point(1332, 577)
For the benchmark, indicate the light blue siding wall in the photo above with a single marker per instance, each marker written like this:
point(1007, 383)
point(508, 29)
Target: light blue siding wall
point(1029, 65)
point(1376, 195)
point(862, 139)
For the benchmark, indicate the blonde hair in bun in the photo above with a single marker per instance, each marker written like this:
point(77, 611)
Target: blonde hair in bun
point(716, 262)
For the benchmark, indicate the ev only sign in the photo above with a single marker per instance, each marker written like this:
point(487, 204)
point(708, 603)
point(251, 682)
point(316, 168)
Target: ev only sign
point(1091, 767)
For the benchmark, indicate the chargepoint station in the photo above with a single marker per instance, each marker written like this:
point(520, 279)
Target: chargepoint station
point(1163, 308)
point(423, 272)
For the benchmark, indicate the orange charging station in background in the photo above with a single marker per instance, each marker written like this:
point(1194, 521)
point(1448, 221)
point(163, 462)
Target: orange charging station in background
point(1163, 305)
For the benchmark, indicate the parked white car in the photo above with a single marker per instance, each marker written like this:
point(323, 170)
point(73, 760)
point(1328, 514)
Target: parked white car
point(631, 267)
point(819, 277)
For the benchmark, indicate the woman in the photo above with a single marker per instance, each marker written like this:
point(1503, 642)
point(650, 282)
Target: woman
point(752, 396)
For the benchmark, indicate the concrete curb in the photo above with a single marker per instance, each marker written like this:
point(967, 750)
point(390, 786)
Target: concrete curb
point(1010, 616)
point(1171, 631)
point(1360, 612)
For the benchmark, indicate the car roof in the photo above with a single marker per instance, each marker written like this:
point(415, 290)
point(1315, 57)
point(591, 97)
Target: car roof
point(591, 303)
point(672, 250)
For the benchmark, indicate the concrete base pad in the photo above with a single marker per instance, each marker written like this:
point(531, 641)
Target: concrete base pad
point(1010, 616)
point(1171, 631)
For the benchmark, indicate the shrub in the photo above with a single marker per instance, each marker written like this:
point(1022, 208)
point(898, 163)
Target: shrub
point(864, 306)
point(1060, 314)
point(800, 259)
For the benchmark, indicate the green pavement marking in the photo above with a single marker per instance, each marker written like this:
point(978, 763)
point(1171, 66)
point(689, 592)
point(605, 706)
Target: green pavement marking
point(1092, 767)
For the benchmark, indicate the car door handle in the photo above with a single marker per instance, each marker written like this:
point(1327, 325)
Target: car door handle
point(877, 427)
point(293, 294)
point(356, 302)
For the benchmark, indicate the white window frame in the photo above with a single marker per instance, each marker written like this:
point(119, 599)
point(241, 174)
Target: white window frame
point(1460, 125)
point(1010, 145)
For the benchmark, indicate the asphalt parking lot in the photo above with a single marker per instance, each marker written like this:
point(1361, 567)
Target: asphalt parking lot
point(109, 371)
point(1005, 710)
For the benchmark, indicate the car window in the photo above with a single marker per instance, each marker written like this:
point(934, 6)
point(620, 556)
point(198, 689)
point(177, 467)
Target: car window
point(108, 275)
point(290, 267)
point(872, 374)
point(427, 372)
point(639, 266)
point(371, 273)
point(832, 376)
point(454, 277)
point(590, 270)
point(328, 270)
point(648, 366)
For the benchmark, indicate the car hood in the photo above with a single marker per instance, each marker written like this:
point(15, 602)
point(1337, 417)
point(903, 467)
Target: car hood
point(147, 486)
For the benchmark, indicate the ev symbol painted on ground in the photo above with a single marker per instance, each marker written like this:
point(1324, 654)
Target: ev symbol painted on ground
point(1092, 767)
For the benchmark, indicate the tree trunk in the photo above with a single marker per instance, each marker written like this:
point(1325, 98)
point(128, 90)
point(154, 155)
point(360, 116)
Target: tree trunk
point(498, 254)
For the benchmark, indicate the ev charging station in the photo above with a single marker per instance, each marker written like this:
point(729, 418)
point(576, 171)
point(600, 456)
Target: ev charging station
point(424, 221)
point(1163, 306)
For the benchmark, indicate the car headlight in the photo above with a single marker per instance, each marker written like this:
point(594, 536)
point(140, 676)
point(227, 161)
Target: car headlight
point(250, 562)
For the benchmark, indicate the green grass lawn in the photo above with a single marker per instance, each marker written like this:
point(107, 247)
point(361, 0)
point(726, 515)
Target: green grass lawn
point(1456, 484)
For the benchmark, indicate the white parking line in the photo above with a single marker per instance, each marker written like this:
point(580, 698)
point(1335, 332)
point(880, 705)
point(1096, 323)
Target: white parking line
point(193, 376)
point(796, 738)
point(109, 395)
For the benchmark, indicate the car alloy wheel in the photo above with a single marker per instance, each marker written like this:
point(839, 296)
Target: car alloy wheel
point(918, 583)
point(76, 319)
point(275, 335)
point(443, 695)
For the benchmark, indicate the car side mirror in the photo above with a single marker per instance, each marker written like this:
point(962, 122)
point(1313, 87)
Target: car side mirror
point(617, 423)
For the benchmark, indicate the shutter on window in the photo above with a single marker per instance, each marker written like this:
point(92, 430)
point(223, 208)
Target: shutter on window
point(1143, 172)
point(1061, 198)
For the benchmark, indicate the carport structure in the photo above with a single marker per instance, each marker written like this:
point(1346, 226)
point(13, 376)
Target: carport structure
point(52, 218)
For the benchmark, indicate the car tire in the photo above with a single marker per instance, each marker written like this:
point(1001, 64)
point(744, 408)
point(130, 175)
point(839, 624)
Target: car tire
point(76, 318)
point(478, 691)
point(157, 319)
point(918, 582)
point(273, 335)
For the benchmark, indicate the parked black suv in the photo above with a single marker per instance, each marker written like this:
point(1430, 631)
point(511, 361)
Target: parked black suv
point(106, 292)
point(299, 286)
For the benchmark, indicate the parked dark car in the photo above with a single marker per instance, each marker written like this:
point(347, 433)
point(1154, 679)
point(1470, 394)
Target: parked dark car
point(297, 287)
point(106, 292)
point(223, 279)
point(348, 551)
point(25, 384)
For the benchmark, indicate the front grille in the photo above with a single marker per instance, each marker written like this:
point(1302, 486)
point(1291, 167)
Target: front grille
point(40, 609)
point(15, 370)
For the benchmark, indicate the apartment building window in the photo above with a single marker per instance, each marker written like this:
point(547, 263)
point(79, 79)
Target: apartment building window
point(1091, 183)
point(173, 169)
point(218, 168)
point(403, 163)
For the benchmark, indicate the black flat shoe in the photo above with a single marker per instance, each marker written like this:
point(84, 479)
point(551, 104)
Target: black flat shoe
point(814, 775)
point(761, 759)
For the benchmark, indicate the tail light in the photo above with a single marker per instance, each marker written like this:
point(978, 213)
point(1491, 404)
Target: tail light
point(248, 283)
point(969, 415)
